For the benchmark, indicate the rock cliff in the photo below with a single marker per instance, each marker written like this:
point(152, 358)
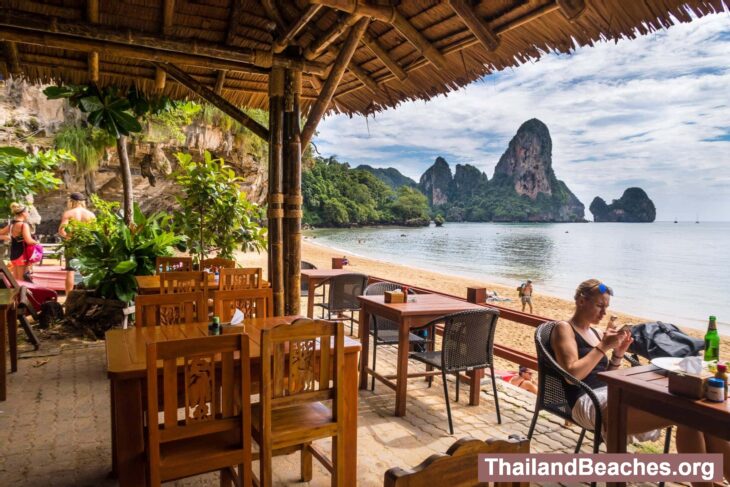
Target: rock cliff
point(436, 182)
point(634, 206)
point(390, 176)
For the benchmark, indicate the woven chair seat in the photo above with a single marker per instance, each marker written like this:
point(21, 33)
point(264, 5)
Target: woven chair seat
point(390, 337)
point(428, 358)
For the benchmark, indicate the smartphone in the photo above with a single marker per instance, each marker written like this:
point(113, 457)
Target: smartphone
point(626, 328)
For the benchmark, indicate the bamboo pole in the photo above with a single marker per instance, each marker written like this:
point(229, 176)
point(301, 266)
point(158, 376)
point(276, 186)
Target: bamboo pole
point(476, 25)
point(124, 167)
point(293, 191)
point(92, 14)
point(383, 55)
point(220, 81)
point(168, 16)
point(289, 36)
point(160, 79)
point(338, 69)
point(11, 54)
point(224, 105)
point(87, 37)
point(318, 46)
point(275, 193)
point(572, 9)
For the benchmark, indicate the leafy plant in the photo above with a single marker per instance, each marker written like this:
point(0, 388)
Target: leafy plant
point(87, 144)
point(110, 253)
point(24, 174)
point(214, 214)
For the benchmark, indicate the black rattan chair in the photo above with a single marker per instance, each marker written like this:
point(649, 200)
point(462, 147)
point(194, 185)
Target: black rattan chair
point(551, 389)
point(385, 331)
point(468, 344)
point(341, 296)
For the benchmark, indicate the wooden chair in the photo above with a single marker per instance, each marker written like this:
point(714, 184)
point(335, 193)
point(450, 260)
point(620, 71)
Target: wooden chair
point(173, 264)
point(215, 432)
point(459, 465)
point(291, 414)
point(170, 309)
point(246, 278)
point(255, 303)
point(184, 282)
point(217, 264)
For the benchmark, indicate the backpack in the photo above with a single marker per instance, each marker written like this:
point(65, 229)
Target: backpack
point(521, 289)
point(51, 312)
point(652, 340)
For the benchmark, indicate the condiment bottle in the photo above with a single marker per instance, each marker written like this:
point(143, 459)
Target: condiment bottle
point(722, 374)
point(712, 341)
point(214, 328)
point(715, 390)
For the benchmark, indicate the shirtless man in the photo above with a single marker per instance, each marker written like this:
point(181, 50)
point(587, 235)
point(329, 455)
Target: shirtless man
point(527, 295)
point(77, 212)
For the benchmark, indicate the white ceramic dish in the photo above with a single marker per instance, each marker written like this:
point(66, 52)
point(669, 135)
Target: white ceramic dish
point(667, 363)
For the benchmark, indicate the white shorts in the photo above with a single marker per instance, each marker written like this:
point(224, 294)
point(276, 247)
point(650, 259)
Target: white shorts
point(584, 415)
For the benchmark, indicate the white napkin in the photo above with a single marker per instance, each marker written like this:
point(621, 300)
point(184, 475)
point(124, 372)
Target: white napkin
point(691, 365)
point(237, 318)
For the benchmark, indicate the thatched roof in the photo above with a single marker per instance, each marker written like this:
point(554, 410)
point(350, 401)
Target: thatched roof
point(412, 49)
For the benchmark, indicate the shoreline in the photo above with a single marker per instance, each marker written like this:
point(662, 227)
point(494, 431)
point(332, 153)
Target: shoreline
point(511, 334)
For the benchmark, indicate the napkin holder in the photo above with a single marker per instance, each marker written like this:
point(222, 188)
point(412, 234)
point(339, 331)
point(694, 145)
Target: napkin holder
point(688, 385)
point(394, 297)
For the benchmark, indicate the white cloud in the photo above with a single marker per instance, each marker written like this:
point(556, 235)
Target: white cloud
point(652, 111)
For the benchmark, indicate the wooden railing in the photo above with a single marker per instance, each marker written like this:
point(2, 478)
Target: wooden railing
point(502, 351)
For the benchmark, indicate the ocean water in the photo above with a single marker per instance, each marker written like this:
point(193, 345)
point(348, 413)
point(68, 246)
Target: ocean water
point(677, 273)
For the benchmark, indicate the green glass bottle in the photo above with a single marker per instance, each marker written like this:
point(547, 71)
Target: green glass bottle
point(712, 341)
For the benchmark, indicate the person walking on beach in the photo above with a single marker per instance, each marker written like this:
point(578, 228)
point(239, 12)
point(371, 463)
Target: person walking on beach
point(76, 212)
point(526, 295)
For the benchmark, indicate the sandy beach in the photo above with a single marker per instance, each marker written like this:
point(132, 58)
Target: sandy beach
point(511, 334)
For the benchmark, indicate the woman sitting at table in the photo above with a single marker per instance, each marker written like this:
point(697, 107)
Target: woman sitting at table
point(584, 352)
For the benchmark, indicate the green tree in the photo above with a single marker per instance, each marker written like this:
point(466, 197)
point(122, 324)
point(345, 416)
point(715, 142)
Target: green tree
point(88, 145)
point(214, 214)
point(24, 174)
point(410, 206)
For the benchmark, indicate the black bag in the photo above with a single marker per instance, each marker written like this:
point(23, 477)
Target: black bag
point(652, 340)
point(51, 312)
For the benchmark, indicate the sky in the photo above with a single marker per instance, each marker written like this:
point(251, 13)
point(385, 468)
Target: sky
point(652, 112)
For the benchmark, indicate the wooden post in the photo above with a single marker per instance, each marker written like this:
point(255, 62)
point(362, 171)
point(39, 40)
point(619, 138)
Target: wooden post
point(92, 15)
point(293, 191)
point(476, 295)
point(128, 194)
point(276, 196)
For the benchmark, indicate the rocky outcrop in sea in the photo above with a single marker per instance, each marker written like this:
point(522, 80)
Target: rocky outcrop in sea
point(634, 206)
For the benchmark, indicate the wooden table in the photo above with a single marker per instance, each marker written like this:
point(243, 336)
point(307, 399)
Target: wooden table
point(126, 369)
point(645, 388)
point(410, 315)
point(315, 277)
point(151, 284)
point(8, 335)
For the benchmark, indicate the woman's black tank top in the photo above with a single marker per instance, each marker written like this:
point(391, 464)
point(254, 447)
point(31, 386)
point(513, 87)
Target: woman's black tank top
point(17, 244)
point(574, 392)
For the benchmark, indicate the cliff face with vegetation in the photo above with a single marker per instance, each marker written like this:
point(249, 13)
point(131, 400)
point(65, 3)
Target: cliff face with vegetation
point(524, 186)
point(390, 176)
point(634, 206)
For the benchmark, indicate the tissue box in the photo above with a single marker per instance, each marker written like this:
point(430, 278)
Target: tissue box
point(394, 297)
point(687, 384)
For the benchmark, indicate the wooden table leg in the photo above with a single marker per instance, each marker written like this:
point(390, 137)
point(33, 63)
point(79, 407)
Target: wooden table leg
point(129, 435)
point(115, 468)
point(401, 385)
point(475, 383)
point(616, 425)
point(350, 426)
point(12, 319)
point(310, 297)
point(364, 332)
point(3, 366)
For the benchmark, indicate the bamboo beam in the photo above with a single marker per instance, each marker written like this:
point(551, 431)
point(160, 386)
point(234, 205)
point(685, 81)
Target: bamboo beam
point(276, 188)
point(572, 9)
point(364, 77)
point(289, 35)
point(475, 24)
point(334, 78)
point(220, 81)
point(92, 15)
point(11, 54)
point(318, 46)
point(273, 12)
point(160, 79)
point(292, 191)
point(168, 15)
point(384, 57)
point(90, 35)
point(224, 105)
point(391, 15)
point(233, 21)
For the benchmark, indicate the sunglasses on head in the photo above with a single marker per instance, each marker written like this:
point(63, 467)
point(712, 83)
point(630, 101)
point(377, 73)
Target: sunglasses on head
point(602, 288)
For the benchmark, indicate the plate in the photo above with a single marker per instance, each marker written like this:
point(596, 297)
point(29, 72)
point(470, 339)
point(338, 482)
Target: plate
point(667, 363)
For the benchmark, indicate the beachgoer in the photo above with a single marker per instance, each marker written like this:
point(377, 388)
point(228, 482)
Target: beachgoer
point(711, 444)
point(527, 295)
point(523, 380)
point(584, 352)
point(18, 231)
point(76, 212)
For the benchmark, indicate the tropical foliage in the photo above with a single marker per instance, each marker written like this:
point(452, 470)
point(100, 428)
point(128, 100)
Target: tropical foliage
point(24, 174)
point(336, 195)
point(109, 253)
point(215, 216)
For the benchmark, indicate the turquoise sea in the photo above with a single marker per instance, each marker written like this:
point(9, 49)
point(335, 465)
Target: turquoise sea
point(677, 273)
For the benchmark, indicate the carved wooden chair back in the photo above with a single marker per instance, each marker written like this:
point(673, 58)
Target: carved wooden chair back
point(184, 282)
point(173, 264)
point(459, 464)
point(216, 264)
point(170, 309)
point(245, 278)
point(255, 303)
point(302, 365)
point(215, 430)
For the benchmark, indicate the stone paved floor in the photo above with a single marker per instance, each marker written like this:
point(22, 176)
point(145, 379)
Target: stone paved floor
point(54, 428)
